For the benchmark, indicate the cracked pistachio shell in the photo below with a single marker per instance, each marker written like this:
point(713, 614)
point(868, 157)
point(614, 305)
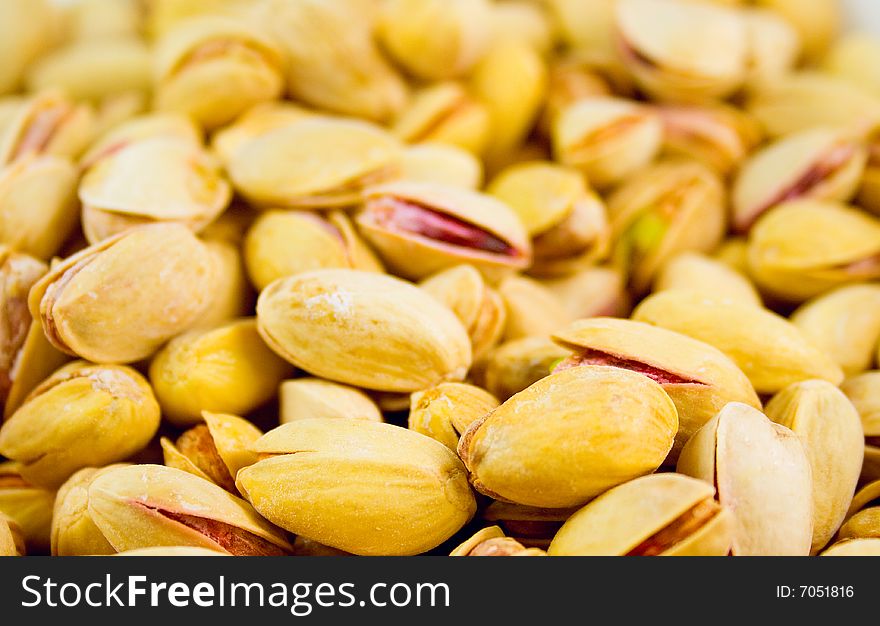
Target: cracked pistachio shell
point(821, 163)
point(11, 538)
point(592, 292)
point(854, 547)
point(305, 398)
point(284, 243)
point(845, 324)
point(515, 365)
point(25, 32)
point(570, 436)
point(316, 163)
point(606, 138)
point(47, 123)
point(215, 450)
point(435, 39)
point(81, 415)
point(693, 270)
point(657, 515)
point(421, 228)
point(27, 505)
point(532, 309)
point(855, 57)
point(831, 433)
point(443, 164)
point(333, 60)
point(233, 296)
point(225, 369)
point(683, 51)
point(73, 531)
point(141, 506)
point(817, 22)
point(364, 487)
point(214, 68)
point(88, 307)
point(773, 46)
point(769, 349)
point(36, 360)
point(255, 122)
point(363, 329)
point(138, 128)
point(804, 248)
point(445, 411)
point(444, 113)
point(161, 179)
point(762, 475)
point(570, 79)
point(478, 306)
point(171, 551)
point(38, 207)
point(665, 209)
point(492, 542)
point(698, 378)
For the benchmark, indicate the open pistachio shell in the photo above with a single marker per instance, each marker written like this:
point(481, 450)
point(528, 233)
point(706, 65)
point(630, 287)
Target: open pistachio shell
point(831, 433)
point(773, 46)
point(863, 525)
point(447, 410)
point(769, 349)
point(570, 79)
point(359, 486)
point(73, 531)
point(492, 542)
point(11, 539)
point(817, 22)
point(314, 163)
point(532, 309)
point(658, 515)
point(142, 506)
point(805, 247)
point(592, 292)
point(515, 365)
point(48, 123)
point(79, 302)
point(420, 228)
point(441, 163)
point(364, 329)
point(698, 378)
point(306, 398)
point(29, 506)
point(692, 270)
point(256, 121)
point(81, 415)
point(140, 127)
point(854, 547)
point(762, 475)
point(564, 439)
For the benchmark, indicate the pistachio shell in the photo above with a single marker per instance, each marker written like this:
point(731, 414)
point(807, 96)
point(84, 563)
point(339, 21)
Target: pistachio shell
point(259, 120)
point(490, 532)
point(698, 378)
point(30, 507)
point(104, 19)
point(306, 398)
point(146, 126)
point(171, 551)
point(445, 411)
point(770, 350)
point(515, 365)
point(570, 79)
point(525, 20)
point(847, 59)
point(359, 486)
point(47, 123)
point(863, 391)
point(73, 529)
point(80, 301)
point(663, 514)
point(863, 525)
point(816, 22)
point(441, 163)
point(363, 329)
point(226, 369)
point(233, 296)
point(762, 476)
point(592, 292)
point(25, 27)
point(563, 441)
point(854, 547)
point(774, 46)
point(166, 14)
point(692, 270)
point(733, 252)
point(303, 546)
point(11, 539)
point(531, 308)
point(36, 360)
point(81, 415)
point(492, 542)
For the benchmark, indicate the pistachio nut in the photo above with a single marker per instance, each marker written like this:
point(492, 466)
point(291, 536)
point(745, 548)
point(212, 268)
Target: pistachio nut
point(606, 138)
point(284, 243)
point(47, 123)
point(225, 369)
point(215, 450)
point(420, 228)
point(769, 349)
point(592, 292)
point(569, 80)
point(364, 329)
point(441, 163)
point(854, 547)
point(258, 120)
point(213, 68)
point(733, 252)
point(863, 390)
point(492, 542)
point(138, 128)
point(29, 506)
point(171, 551)
point(515, 365)
point(532, 309)
point(332, 59)
point(804, 248)
point(817, 22)
point(233, 296)
point(435, 39)
point(658, 515)
point(529, 525)
point(682, 51)
point(142, 506)
point(830, 430)
point(773, 46)
point(761, 474)
point(314, 163)
point(863, 517)
point(670, 207)
point(73, 530)
point(364, 487)
point(445, 113)
point(478, 307)
point(698, 378)
point(88, 307)
point(305, 398)
point(821, 163)
point(854, 57)
point(564, 439)
point(692, 270)
point(25, 32)
point(845, 324)
point(11, 538)
point(162, 179)
point(447, 410)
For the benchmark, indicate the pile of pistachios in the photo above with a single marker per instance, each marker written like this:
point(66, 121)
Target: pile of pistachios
point(467, 277)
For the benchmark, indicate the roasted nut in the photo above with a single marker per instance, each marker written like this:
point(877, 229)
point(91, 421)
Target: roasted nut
point(659, 515)
point(47, 123)
point(492, 542)
point(443, 164)
point(255, 122)
point(564, 440)
point(359, 486)
point(73, 529)
point(138, 128)
point(532, 309)
point(517, 364)
point(30, 507)
point(762, 475)
point(363, 329)
point(570, 80)
point(36, 360)
point(447, 410)
point(81, 301)
point(692, 270)
point(306, 398)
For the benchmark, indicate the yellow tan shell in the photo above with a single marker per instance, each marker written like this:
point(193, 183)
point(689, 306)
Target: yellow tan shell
point(692, 270)
point(256, 121)
point(306, 398)
point(847, 59)
point(774, 46)
point(447, 410)
point(817, 23)
point(592, 292)
point(532, 309)
point(47, 123)
point(515, 365)
point(491, 541)
point(29, 506)
point(171, 551)
point(863, 391)
point(854, 547)
point(73, 531)
point(140, 127)
point(11, 538)
point(441, 163)
point(570, 79)
point(863, 517)
point(25, 32)
point(233, 296)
